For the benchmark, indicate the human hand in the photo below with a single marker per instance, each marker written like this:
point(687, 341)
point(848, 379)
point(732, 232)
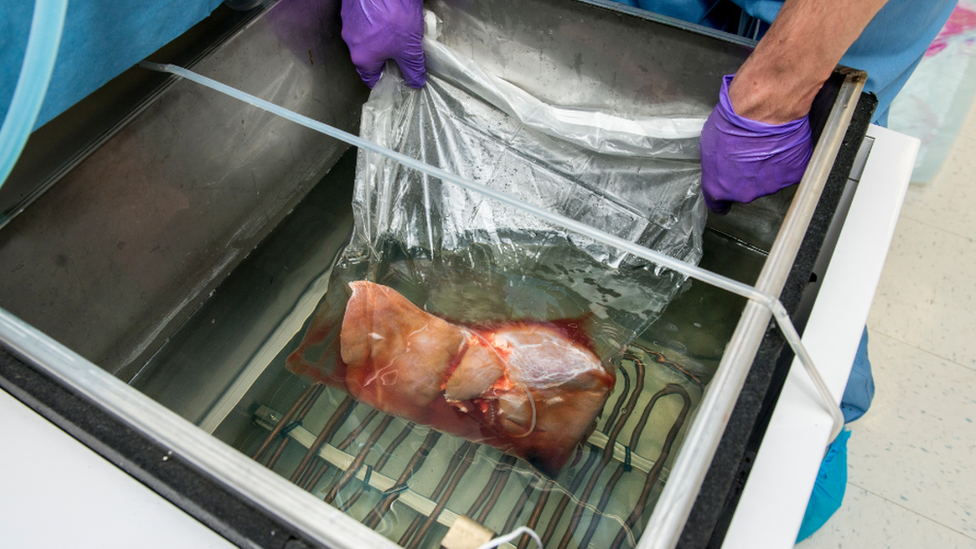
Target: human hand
point(377, 30)
point(743, 159)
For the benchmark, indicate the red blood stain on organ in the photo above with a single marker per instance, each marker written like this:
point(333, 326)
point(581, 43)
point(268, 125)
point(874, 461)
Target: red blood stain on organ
point(531, 389)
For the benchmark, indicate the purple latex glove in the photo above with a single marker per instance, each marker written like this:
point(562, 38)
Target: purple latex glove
point(744, 159)
point(377, 30)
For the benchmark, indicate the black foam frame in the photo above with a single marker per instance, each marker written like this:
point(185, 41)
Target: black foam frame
point(723, 485)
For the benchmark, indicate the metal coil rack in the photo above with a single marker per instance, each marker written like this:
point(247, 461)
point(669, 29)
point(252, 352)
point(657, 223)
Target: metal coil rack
point(403, 479)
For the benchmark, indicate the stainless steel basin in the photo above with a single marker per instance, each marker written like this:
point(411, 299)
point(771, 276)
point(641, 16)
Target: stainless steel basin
point(164, 269)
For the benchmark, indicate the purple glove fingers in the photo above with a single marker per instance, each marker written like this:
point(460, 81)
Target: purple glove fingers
point(377, 30)
point(412, 67)
point(744, 159)
point(368, 67)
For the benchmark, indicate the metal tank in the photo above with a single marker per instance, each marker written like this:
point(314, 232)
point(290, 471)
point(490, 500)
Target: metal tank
point(163, 246)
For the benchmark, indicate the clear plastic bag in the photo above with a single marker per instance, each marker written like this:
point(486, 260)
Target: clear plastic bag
point(478, 319)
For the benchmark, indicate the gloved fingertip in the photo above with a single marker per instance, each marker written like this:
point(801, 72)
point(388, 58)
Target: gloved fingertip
point(416, 81)
point(370, 78)
point(413, 69)
point(720, 207)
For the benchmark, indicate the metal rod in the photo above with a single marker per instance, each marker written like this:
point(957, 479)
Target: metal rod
point(380, 482)
point(509, 463)
point(504, 464)
point(324, 436)
point(442, 500)
point(631, 404)
point(285, 440)
point(313, 481)
point(419, 457)
point(557, 514)
point(313, 475)
point(604, 499)
point(607, 456)
point(385, 458)
point(659, 464)
point(669, 389)
point(485, 490)
point(360, 458)
point(318, 466)
point(564, 501)
point(306, 395)
point(659, 358)
point(279, 451)
point(620, 400)
point(378, 467)
point(544, 498)
point(519, 507)
point(439, 489)
point(540, 504)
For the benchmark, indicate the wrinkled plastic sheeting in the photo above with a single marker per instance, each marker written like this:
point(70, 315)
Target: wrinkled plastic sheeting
point(672, 137)
point(492, 275)
point(586, 165)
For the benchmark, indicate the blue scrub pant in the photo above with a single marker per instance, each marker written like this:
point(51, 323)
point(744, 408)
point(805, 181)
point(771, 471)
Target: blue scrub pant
point(831, 483)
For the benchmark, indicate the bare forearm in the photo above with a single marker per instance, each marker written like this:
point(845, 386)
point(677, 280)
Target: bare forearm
point(778, 82)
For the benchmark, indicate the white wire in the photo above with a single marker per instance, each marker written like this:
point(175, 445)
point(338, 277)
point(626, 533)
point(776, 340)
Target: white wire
point(497, 542)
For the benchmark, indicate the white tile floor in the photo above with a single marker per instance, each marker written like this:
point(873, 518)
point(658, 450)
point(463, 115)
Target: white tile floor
point(912, 458)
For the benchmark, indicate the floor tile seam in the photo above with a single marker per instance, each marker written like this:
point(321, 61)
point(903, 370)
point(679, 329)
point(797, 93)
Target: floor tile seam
point(908, 216)
point(914, 346)
point(912, 511)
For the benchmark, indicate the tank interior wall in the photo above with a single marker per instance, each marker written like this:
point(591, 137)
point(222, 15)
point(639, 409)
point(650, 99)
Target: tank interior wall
point(123, 248)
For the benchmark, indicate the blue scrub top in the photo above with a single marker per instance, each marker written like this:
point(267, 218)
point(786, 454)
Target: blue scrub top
point(889, 49)
point(101, 39)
